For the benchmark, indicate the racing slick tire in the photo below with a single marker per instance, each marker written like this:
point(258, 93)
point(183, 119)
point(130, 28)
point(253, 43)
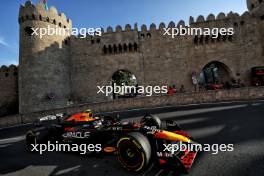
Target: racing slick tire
point(151, 120)
point(134, 151)
point(35, 137)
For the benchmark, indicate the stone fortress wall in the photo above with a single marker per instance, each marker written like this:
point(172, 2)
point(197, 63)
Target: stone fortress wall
point(57, 69)
point(9, 88)
point(160, 60)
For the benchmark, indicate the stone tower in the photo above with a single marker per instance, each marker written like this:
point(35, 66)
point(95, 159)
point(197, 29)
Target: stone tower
point(256, 9)
point(44, 73)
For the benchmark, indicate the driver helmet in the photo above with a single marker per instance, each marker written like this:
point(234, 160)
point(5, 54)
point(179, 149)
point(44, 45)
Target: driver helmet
point(88, 111)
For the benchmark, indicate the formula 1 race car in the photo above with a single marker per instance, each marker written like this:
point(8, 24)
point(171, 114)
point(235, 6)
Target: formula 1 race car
point(135, 144)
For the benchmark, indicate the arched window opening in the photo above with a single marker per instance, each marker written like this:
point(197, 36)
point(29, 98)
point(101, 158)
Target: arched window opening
point(224, 38)
point(135, 47)
point(195, 40)
point(207, 39)
point(105, 50)
point(110, 49)
point(219, 37)
point(125, 48)
point(115, 49)
point(130, 47)
point(201, 39)
point(120, 48)
point(215, 74)
point(125, 78)
point(149, 35)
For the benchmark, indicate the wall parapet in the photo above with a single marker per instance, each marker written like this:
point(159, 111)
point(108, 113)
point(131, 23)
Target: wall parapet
point(248, 93)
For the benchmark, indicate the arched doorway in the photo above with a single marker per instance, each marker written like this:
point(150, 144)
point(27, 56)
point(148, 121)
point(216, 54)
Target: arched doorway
point(214, 73)
point(128, 83)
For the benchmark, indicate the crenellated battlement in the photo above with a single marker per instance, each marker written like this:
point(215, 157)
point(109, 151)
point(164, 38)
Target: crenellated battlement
point(30, 12)
point(8, 71)
point(144, 28)
point(211, 18)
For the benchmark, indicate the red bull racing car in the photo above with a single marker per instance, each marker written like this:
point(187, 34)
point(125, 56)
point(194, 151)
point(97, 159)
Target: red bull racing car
point(136, 145)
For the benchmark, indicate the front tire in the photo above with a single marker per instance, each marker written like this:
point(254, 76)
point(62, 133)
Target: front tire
point(151, 121)
point(134, 151)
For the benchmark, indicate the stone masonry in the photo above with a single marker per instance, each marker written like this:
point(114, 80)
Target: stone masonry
point(57, 69)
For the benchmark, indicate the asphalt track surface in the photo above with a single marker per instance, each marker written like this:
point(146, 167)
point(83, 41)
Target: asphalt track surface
point(238, 123)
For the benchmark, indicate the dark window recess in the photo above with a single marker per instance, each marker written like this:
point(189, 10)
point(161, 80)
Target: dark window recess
point(66, 42)
point(48, 19)
point(207, 39)
point(230, 38)
point(29, 31)
point(235, 24)
point(110, 49)
point(262, 17)
point(98, 40)
point(242, 23)
point(260, 1)
point(149, 35)
point(252, 6)
point(224, 37)
point(33, 17)
point(40, 17)
point(105, 50)
point(6, 74)
point(219, 37)
point(92, 41)
point(195, 39)
point(125, 48)
point(15, 74)
point(120, 48)
point(201, 39)
point(142, 35)
point(130, 47)
point(135, 47)
point(115, 49)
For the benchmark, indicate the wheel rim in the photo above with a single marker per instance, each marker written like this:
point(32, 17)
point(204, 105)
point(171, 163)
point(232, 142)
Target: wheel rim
point(130, 154)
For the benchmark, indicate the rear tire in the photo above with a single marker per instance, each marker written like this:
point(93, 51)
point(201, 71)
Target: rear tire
point(134, 151)
point(36, 136)
point(31, 139)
